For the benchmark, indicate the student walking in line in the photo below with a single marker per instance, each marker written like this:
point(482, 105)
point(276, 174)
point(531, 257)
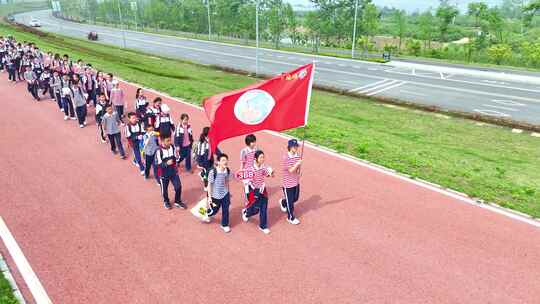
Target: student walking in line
point(45, 83)
point(204, 159)
point(166, 160)
point(141, 104)
point(111, 123)
point(109, 79)
point(56, 89)
point(101, 86)
point(79, 101)
point(164, 123)
point(117, 99)
point(89, 84)
point(32, 82)
point(67, 103)
point(218, 191)
point(150, 147)
point(134, 134)
point(258, 195)
point(183, 140)
point(101, 107)
point(247, 156)
point(152, 112)
point(11, 67)
point(291, 181)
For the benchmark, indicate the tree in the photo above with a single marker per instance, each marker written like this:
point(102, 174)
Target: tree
point(499, 53)
point(400, 23)
point(496, 23)
point(414, 47)
point(531, 10)
point(370, 23)
point(446, 14)
point(531, 52)
point(426, 25)
point(314, 29)
point(477, 10)
point(292, 23)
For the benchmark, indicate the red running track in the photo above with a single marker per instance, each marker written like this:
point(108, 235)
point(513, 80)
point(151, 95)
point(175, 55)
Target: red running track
point(95, 232)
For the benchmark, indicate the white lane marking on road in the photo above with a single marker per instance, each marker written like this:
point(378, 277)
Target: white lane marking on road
point(508, 103)
point(442, 75)
point(465, 81)
point(348, 73)
point(381, 85)
point(380, 169)
point(494, 82)
point(342, 65)
point(387, 88)
point(492, 113)
point(500, 107)
point(369, 85)
point(29, 276)
point(412, 93)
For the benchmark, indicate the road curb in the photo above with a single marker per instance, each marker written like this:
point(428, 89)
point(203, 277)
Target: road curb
point(4, 269)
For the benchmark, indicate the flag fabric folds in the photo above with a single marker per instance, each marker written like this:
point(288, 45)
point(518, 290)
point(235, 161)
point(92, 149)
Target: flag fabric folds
point(278, 104)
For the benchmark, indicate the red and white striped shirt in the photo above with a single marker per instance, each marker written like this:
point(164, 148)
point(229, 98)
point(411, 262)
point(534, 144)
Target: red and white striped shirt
point(290, 180)
point(247, 157)
point(259, 174)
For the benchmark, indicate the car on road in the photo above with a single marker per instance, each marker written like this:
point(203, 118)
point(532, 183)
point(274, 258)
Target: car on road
point(34, 23)
point(93, 36)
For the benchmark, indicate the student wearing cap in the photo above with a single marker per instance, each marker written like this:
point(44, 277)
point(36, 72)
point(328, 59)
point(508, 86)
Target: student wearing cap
point(291, 180)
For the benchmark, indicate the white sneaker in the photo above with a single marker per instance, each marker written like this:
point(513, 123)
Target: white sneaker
point(61, 110)
point(245, 218)
point(84, 123)
point(283, 209)
point(227, 229)
point(142, 173)
point(294, 222)
point(73, 118)
point(205, 189)
point(81, 126)
point(66, 118)
point(103, 141)
point(265, 230)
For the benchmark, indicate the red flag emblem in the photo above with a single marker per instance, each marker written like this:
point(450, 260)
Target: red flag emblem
point(278, 104)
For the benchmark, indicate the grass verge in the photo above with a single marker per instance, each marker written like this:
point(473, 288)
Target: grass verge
point(487, 162)
point(6, 294)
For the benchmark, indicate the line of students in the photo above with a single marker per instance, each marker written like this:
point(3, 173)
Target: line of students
point(151, 134)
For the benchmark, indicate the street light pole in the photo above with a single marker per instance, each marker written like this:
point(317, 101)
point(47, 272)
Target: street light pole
point(209, 23)
point(121, 23)
point(354, 28)
point(257, 38)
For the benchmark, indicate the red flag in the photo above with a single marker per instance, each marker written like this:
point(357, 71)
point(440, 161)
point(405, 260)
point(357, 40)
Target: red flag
point(278, 104)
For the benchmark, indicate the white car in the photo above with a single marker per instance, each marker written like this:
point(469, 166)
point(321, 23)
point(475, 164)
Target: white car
point(35, 23)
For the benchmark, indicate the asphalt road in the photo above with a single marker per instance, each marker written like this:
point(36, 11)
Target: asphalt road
point(507, 99)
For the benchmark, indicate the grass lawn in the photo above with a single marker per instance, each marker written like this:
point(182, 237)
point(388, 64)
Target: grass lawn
point(6, 295)
point(487, 162)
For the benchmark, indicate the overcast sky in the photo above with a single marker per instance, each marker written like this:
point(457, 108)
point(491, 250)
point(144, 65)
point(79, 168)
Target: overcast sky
point(410, 5)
